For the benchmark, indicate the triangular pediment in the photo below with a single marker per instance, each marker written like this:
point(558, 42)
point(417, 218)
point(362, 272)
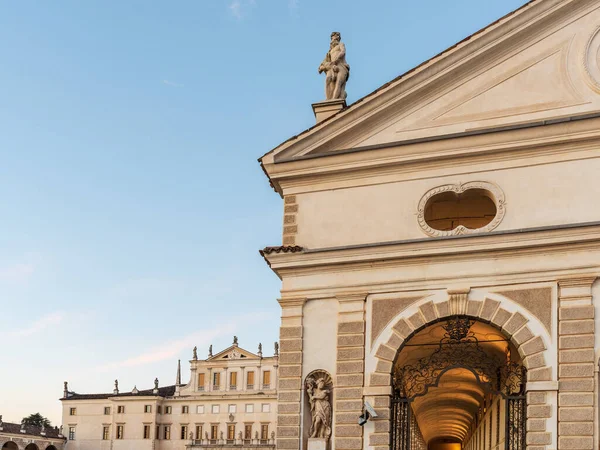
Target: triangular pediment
point(233, 352)
point(540, 63)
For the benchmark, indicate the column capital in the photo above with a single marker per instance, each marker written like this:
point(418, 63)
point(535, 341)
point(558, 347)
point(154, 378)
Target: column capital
point(292, 301)
point(581, 280)
point(351, 296)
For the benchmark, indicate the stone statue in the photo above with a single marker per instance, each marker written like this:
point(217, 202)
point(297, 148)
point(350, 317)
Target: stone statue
point(195, 354)
point(206, 435)
point(191, 435)
point(259, 348)
point(156, 383)
point(337, 70)
point(210, 351)
point(320, 407)
point(276, 348)
point(221, 435)
point(240, 435)
point(256, 435)
point(235, 340)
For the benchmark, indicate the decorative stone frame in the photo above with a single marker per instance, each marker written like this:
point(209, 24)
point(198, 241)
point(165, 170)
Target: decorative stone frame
point(523, 329)
point(493, 192)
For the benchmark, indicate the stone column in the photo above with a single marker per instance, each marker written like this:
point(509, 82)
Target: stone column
point(348, 388)
point(289, 396)
point(576, 364)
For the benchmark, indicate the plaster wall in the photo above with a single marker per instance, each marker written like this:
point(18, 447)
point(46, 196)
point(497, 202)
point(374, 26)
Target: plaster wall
point(320, 333)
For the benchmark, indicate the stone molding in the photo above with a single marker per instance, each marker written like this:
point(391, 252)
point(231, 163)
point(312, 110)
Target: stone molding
point(495, 194)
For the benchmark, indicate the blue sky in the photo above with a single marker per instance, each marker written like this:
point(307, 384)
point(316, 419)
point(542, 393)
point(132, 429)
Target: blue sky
point(132, 206)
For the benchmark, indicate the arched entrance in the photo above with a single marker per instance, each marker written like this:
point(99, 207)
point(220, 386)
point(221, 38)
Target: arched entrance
point(10, 446)
point(458, 383)
point(32, 446)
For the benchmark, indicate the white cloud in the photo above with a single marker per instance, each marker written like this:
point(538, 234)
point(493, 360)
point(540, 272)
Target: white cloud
point(172, 83)
point(169, 350)
point(38, 326)
point(236, 8)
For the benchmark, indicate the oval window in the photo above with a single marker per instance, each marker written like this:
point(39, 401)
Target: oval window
point(461, 209)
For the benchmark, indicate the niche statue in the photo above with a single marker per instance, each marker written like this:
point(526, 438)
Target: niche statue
point(318, 387)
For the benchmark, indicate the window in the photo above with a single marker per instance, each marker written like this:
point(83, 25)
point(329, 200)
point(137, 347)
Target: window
point(200, 381)
point(147, 408)
point(198, 432)
point(121, 409)
point(107, 410)
point(216, 381)
point(71, 433)
point(200, 409)
point(72, 411)
point(232, 409)
point(250, 380)
point(250, 408)
point(214, 432)
point(120, 431)
point(184, 429)
point(266, 379)
point(146, 431)
point(265, 407)
point(157, 432)
point(159, 409)
point(248, 431)
point(185, 409)
point(167, 432)
point(230, 433)
point(215, 409)
point(233, 381)
point(168, 409)
point(264, 432)
point(105, 433)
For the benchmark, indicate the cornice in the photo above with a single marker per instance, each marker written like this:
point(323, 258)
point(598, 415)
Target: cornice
point(400, 161)
point(292, 301)
point(536, 240)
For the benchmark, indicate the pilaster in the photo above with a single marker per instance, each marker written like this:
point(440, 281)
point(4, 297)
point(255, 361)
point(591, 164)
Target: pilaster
point(576, 330)
point(350, 371)
point(289, 396)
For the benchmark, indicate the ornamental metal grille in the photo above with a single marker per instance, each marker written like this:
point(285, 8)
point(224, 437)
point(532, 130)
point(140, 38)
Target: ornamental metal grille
point(458, 348)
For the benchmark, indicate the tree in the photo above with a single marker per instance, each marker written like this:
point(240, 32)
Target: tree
point(37, 420)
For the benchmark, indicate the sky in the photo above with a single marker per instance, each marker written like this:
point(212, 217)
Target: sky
point(132, 205)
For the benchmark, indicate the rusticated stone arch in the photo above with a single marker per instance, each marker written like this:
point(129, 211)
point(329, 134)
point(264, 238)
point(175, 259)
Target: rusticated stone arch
point(523, 329)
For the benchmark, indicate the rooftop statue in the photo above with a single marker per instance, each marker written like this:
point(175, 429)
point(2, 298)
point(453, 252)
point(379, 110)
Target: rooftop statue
point(337, 70)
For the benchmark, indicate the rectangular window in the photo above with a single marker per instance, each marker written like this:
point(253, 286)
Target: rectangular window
point(265, 407)
point(105, 433)
point(250, 408)
point(168, 409)
point(248, 432)
point(250, 380)
point(266, 379)
point(233, 381)
point(232, 409)
point(184, 431)
point(167, 432)
point(146, 431)
point(71, 433)
point(199, 432)
point(264, 432)
point(107, 410)
point(72, 411)
point(200, 409)
point(214, 432)
point(200, 381)
point(121, 409)
point(216, 381)
point(231, 433)
point(120, 431)
point(185, 409)
point(215, 409)
point(147, 408)
point(159, 409)
point(157, 432)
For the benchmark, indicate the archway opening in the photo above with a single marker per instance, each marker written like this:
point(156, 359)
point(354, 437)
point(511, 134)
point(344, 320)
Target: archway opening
point(455, 383)
point(51, 447)
point(10, 446)
point(32, 446)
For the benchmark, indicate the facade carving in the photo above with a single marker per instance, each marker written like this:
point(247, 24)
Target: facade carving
point(318, 386)
point(337, 70)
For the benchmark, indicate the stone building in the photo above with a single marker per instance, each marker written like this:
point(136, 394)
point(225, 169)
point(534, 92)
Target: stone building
point(230, 400)
point(15, 436)
point(441, 249)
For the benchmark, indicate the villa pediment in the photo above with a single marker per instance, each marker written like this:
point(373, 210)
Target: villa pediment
point(233, 352)
point(538, 64)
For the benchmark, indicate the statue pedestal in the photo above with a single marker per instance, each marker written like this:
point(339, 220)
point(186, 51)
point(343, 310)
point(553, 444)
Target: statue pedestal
point(317, 444)
point(327, 108)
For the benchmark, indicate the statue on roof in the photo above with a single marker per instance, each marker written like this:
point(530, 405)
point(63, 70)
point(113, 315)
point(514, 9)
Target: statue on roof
point(210, 351)
point(235, 340)
point(337, 70)
point(195, 354)
point(156, 383)
point(276, 348)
